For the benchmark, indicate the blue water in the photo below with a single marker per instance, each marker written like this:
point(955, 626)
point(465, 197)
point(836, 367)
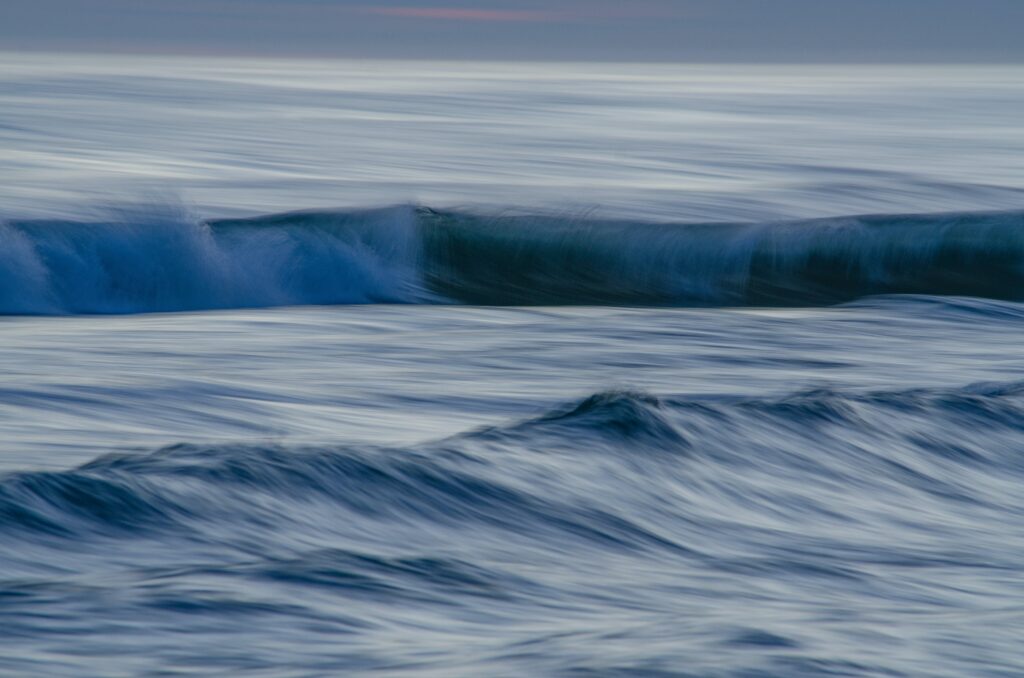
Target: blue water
point(338, 368)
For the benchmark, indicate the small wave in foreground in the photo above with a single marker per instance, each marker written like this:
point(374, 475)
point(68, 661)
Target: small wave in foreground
point(734, 535)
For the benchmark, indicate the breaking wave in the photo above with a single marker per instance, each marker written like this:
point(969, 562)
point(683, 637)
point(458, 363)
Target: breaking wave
point(161, 260)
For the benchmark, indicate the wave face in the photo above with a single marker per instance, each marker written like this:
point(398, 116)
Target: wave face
point(162, 261)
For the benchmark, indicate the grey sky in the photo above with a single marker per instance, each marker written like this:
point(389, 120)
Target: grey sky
point(658, 30)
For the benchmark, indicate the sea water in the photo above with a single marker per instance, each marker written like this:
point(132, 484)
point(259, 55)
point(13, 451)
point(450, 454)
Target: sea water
point(329, 368)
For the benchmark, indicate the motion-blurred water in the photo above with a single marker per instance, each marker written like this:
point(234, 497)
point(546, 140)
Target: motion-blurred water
point(685, 436)
point(682, 143)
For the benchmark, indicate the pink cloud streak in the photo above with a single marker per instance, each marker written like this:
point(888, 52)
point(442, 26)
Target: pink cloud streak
point(460, 14)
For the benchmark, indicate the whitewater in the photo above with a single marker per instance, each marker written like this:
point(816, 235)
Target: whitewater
point(319, 368)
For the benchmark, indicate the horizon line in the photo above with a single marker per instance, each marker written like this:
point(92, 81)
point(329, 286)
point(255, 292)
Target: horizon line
point(724, 61)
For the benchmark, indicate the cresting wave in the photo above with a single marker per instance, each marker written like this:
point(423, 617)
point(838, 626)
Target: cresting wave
point(161, 260)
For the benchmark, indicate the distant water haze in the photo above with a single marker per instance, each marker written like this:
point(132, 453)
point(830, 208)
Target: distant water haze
point(665, 142)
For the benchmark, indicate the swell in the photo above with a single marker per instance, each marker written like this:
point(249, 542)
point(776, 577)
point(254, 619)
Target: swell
point(565, 474)
point(160, 260)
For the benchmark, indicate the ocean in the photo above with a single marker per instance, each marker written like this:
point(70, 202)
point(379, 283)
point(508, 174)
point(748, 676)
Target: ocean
point(324, 368)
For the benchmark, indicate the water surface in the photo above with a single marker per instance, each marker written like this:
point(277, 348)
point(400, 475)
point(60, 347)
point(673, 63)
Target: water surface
point(342, 368)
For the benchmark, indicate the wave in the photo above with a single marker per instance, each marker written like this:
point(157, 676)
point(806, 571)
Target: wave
point(539, 474)
point(622, 506)
point(159, 259)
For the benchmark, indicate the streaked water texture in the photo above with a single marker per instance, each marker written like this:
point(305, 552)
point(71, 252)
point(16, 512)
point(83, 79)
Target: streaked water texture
point(328, 368)
point(679, 143)
point(466, 491)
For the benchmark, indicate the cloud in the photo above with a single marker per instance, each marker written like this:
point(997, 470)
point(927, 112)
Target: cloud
point(464, 14)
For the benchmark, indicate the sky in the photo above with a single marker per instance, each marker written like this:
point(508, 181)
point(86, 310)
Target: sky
point(572, 30)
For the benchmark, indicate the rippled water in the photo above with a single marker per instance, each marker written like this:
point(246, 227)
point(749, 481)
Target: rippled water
point(684, 437)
